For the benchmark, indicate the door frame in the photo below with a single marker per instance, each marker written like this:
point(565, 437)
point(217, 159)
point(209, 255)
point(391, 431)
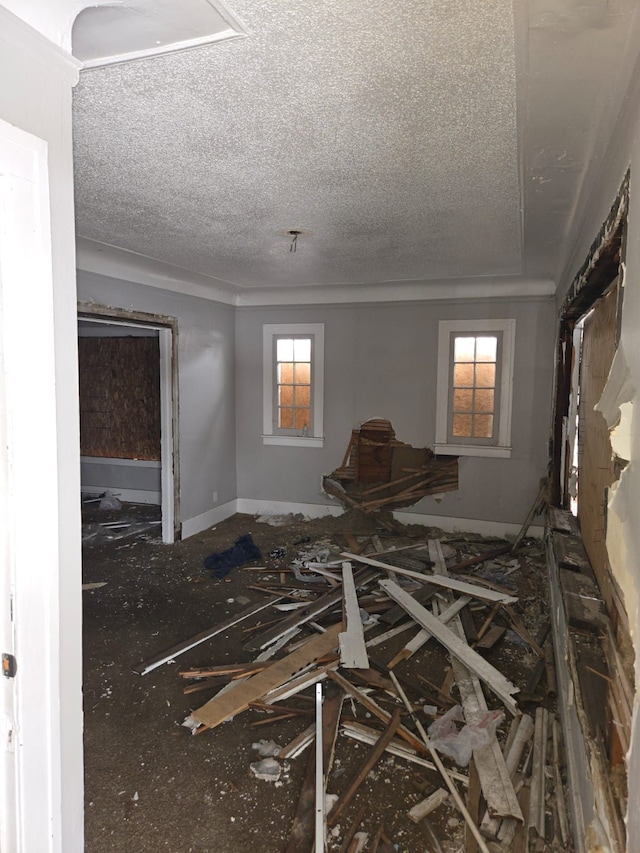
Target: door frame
point(167, 328)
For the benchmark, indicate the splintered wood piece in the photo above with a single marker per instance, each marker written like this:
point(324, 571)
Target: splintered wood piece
point(172, 653)
point(302, 831)
point(307, 613)
point(353, 652)
point(428, 805)
point(298, 744)
point(536, 804)
point(237, 699)
point(437, 580)
point(473, 804)
point(491, 637)
point(371, 760)
point(494, 679)
point(348, 838)
point(233, 670)
point(520, 628)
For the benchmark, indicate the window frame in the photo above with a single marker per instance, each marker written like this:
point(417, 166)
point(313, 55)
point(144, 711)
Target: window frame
point(444, 442)
point(291, 437)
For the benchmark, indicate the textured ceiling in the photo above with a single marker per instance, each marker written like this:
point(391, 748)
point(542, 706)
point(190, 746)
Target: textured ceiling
point(385, 132)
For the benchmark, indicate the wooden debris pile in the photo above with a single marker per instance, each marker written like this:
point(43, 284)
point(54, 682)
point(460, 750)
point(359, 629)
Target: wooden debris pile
point(380, 472)
point(331, 660)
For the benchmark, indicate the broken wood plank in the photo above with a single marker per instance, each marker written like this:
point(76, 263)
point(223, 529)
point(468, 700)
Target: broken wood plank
point(536, 819)
point(449, 583)
point(473, 804)
point(494, 679)
point(237, 699)
point(298, 618)
point(489, 761)
point(424, 636)
point(495, 633)
point(164, 657)
point(428, 805)
point(302, 831)
point(370, 761)
point(353, 652)
point(348, 838)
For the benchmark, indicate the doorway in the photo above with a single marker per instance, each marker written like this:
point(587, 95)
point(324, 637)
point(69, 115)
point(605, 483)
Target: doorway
point(130, 450)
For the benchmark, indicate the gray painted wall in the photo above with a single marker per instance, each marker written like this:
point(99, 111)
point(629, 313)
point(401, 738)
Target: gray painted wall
point(206, 346)
point(380, 361)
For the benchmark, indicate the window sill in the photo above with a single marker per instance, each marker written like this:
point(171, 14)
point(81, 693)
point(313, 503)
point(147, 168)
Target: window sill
point(294, 440)
point(472, 450)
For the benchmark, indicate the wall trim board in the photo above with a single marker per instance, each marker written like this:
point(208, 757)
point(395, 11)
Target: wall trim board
point(129, 463)
point(471, 525)
point(132, 496)
point(252, 506)
point(581, 799)
point(15, 30)
point(207, 519)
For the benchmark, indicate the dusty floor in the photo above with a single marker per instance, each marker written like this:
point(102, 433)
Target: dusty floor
point(150, 784)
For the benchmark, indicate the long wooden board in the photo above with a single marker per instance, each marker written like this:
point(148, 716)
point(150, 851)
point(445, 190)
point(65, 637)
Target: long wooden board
point(494, 679)
point(438, 580)
point(169, 654)
point(237, 699)
point(353, 653)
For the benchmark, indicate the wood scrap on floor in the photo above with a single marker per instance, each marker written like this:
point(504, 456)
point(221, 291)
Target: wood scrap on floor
point(330, 641)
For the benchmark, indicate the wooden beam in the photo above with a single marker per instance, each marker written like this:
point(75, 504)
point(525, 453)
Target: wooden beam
point(495, 680)
point(170, 654)
point(370, 761)
point(448, 583)
point(353, 652)
point(237, 699)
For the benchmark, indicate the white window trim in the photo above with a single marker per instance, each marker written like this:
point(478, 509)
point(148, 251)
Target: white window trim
point(443, 390)
point(269, 332)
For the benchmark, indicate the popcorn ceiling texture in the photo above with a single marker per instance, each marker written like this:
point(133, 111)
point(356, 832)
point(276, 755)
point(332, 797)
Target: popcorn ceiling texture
point(385, 132)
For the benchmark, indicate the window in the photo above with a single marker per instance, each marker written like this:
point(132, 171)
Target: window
point(293, 377)
point(475, 381)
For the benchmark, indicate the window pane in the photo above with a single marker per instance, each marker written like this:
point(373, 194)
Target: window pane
point(303, 396)
point(486, 349)
point(284, 349)
point(462, 400)
point(483, 426)
point(486, 375)
point(303, 418)
point(285, 395)
point(302, 349)
point(285, 373)
point(303, 374)
point(463, 349)
point(285, 418)
point(462, 426)
point(463, 375)
point(484, 401)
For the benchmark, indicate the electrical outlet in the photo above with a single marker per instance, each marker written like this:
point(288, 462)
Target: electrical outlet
point(215, 497)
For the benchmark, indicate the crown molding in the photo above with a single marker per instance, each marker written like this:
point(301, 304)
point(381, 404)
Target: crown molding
point(112, 262)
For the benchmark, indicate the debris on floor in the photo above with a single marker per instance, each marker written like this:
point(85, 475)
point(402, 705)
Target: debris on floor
point(429, 650)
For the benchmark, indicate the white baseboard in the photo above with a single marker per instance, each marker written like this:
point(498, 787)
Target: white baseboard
point(260, 507)
point(132, 496)
point(468, 525)
point(250, 506)
point(207, 519)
